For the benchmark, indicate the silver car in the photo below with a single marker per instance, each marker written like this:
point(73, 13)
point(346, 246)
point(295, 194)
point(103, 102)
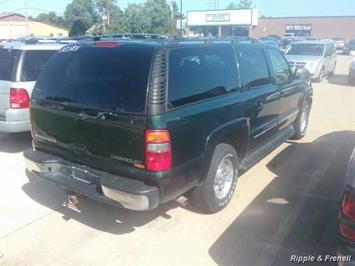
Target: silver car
point(318, 57)
point(20, 66)
point(351, 77)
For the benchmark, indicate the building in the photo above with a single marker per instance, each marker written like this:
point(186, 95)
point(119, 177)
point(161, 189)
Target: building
point(318, 27)
point(239, 22)
point(13, 26)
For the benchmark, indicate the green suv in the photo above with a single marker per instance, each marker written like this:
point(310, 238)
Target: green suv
point(138, 123)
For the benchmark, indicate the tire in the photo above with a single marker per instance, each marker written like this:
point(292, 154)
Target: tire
point(321, 75)
point(212, 196)
point(301, 125)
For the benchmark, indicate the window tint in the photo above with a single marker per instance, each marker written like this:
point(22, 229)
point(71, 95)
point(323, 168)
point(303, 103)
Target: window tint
point(280, 66)
point(33, 64)
point(7, 59)
point(201, 72)
point(254, 68)
point(99, 77)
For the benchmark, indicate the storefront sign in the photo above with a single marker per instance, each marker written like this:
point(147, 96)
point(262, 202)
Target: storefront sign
point(218, 17)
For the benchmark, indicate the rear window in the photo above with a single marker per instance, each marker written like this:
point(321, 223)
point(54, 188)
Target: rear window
point(200, 73)
point(99, 77)
point(33, 64)
point(7, 65)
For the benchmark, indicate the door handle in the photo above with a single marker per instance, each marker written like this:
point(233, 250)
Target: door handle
point(259, 105)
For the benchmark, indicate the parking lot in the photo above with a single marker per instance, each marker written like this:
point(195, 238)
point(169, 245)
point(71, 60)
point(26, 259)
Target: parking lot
point(285, 205)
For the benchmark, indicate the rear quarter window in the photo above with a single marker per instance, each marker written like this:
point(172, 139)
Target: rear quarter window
point(8, 59)
point(198, 73)
point(33, 63)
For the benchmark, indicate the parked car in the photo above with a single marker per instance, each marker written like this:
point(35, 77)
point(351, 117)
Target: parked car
point(319, 58)
point(20, 66)
point(351, 77)
point(339, 43)
point(346, 228)
point(349, 48)
point(136, 123)
point(272, 42)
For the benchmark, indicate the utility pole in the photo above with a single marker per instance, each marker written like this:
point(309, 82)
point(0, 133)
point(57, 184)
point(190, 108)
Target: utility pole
point(181, 15)
point(26, 16)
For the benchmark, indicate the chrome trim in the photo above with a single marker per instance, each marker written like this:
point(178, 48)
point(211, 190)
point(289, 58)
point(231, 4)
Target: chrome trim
point(129, 201)
point(268, 128)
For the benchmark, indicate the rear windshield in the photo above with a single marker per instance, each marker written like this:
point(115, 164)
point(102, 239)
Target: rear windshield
point(33, 64)
point(98, 77)
point(7, 59)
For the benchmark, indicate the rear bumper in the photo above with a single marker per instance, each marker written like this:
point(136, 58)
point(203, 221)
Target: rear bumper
point(92, 183)
point(15, 120)
point(14, 127)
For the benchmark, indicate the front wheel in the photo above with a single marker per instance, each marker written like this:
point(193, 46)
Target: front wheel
point(301, 123)
point(218, 188)
point(321, 75)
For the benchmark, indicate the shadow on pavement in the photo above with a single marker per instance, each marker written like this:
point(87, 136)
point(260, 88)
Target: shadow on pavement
point(341, 80)
point(15, 142)
point(296, 214)
point(100, 216)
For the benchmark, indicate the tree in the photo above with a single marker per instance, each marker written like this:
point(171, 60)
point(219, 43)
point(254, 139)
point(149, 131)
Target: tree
point(159, 15)
point(241, 4)
point(135, 19)
point(52, 18)
point(102, 16)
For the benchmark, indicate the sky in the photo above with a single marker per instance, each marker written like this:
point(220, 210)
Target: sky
point(277, 8)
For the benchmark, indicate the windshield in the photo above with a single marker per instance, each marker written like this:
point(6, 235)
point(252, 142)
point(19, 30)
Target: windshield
point(103, 78)
point(7, 59)
point(306, 49)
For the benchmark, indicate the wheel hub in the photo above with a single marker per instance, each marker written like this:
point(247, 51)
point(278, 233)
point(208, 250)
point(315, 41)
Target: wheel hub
point(224, 177)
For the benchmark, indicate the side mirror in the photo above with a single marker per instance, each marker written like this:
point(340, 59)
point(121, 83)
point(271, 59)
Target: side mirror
point(302, 73)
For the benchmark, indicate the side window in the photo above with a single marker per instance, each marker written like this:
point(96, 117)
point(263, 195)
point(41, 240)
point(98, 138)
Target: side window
point(200, 73)
point(254, 68)
point(33, 64)
point(280, 66)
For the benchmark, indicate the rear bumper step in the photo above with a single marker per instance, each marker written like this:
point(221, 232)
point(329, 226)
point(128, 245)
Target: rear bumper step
point(98, 185)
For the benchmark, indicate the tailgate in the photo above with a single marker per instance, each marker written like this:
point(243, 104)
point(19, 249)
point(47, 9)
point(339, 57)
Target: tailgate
point(109, 144)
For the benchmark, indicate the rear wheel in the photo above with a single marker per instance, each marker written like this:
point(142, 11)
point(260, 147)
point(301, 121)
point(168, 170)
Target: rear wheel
point(218, 188)
point(301, 123)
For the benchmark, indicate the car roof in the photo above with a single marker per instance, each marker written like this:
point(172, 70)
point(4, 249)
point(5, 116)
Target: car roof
point(174, 43)
point(24, 46)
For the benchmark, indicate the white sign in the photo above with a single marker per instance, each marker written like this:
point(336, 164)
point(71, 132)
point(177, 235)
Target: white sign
point(223, 17)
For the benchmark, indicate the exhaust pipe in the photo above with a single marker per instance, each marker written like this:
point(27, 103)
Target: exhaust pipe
point(73, 198)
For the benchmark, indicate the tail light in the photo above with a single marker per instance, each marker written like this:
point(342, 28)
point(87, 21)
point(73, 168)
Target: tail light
point(348, 206)
point(19, 99)
point(348, 210)
point(107, 44)
point(346, 231)
point(157, 150)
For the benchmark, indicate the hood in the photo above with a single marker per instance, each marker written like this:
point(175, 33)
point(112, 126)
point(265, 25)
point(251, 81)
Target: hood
point(302, 58)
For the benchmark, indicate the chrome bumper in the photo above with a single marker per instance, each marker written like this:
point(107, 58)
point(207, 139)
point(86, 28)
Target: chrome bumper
point(95, 184)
